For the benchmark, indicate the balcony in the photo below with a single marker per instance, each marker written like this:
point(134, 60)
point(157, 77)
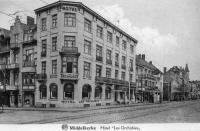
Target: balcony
point(147, 76)
point(99, 58)
point(30, 42)
point(12, 66)
point(124, 67)
point(109, 62)
point(4, 49)
point(69, 76)
point(43, 54)
point(41, 77)
point(14, 46)
point(69, 51)
point(29, 66)
point(114, 81)
point(116, 64)
point(28, 63)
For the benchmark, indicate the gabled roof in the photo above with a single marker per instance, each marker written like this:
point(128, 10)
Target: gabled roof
point(141, 62)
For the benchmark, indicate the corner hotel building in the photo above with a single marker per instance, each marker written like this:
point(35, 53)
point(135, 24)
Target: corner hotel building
point(82, 59)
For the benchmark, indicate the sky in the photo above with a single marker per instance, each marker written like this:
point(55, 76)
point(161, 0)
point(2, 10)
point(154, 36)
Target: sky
point(168, 31)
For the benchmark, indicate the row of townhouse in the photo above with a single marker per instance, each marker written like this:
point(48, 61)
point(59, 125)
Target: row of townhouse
point(73, 57)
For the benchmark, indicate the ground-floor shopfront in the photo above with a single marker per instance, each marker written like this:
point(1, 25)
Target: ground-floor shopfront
point(148, 96)
point(72, 93)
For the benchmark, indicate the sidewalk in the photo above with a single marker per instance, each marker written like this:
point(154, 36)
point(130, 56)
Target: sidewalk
point(76, 109)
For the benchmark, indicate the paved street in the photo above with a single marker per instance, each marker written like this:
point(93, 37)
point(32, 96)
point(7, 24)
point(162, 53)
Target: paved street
point(187, 111)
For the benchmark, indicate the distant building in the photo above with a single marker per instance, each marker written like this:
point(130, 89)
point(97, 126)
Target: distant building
point(176, 83)
point(149, 81)
point(194, 89)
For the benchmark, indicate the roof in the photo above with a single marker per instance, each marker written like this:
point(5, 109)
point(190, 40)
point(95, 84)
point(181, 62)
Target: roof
point(80, 4)
point(186, 68)
point(141, 62)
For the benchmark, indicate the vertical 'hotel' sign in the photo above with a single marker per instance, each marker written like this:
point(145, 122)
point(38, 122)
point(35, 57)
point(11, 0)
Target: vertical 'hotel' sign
point(69, 8)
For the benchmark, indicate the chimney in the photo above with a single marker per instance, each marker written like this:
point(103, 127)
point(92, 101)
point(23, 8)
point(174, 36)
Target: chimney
point(143, 56)
point(30, 20)
point(165, 69)
point(150, 62)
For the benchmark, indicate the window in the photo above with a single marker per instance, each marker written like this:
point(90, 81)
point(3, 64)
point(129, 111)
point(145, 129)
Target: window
point(44, 48)
point(98, 92)
point(54, 66)
point(29, 55)
point(70, 19)
point(131, 77)
point(108, 93)
point(86, 91)
point(98, 70)
point(123, 45)
point(44, 26)
point(123, 61)
point(28, 78)
point(53, 91)
point(43, 91)
point(109, 37)
point(108, 54)
point(87, 47)
point(108, 72)
point(117, 41)
point(123, 76)
point(16, 38)
point(69, 91)
point(132, 49)
point(99, 53)
point(99, 32)
point(116, 59)
point(54, 21)
point(69, 64)
point(116, 74)
point(69, 41)
point(131, 65)
point(54, 43)
point(43, 67)
point(87, 25)
point(86, 72)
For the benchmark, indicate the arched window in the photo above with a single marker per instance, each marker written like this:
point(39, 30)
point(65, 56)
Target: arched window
point(108, 92)
point(69, 91)
point(86, 91)
point(98, 92)
point(43, 91)
point(53, 91)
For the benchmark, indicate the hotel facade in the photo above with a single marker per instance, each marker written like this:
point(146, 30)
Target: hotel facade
point(82, 59)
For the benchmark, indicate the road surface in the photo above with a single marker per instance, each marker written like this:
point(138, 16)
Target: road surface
point(173, 112)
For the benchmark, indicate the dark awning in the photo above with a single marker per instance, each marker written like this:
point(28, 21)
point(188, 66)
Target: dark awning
point(98, 89)
point(42, 87)
point(53, 87)
point(87, 88)
point(68, 88)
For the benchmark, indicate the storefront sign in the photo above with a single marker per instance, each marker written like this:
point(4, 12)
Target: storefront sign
point(69, 8)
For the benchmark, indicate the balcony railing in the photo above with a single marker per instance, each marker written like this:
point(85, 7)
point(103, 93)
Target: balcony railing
point(69, 76)
point(41, 77)
point(29, 42)
point(124, 67)
point(43, 54)
point(99, 58)
point(14, 45)
point(4, 49)
point(109, 62)
point(28, 63)
point(114, 81)
point(12, 66)
point(147, 76)
point(69, 50)
point(117, 64)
